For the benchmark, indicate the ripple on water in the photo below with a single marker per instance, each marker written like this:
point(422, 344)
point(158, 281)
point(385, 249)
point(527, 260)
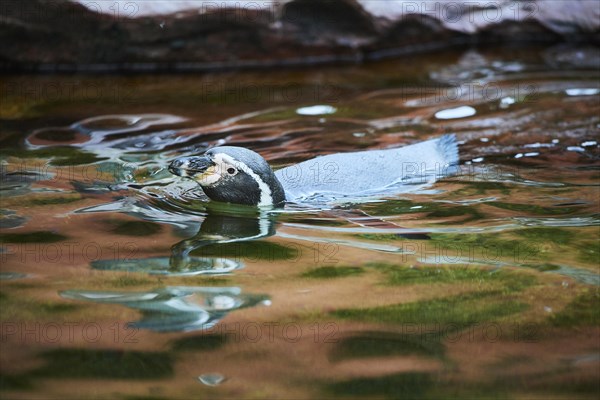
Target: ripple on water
point(165, 266)
point(6, 276)
point(554, 221)
point(528, 131)
point(175, 308)
point(126, 123)
point(9, 219)
point(103, 134)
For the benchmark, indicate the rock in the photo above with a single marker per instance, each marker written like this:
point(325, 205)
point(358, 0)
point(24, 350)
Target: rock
point(318, 22)
point(42, 35)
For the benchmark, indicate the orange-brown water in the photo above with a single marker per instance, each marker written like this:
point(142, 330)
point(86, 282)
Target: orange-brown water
point(119, 281)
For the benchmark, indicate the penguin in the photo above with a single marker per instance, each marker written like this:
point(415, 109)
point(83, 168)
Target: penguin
point(232, 174)
point(241, 176)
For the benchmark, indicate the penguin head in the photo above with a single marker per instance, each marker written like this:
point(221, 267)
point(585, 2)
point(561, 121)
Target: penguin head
point(232, 175)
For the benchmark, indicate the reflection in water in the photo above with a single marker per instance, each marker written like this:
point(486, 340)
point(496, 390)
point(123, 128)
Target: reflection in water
point(223, 224)
point(186, 224)
point(11, 275)
point(527, 181)
point(9, 219)
point(173, 266)
point(209, 252)
point(18, 181)
point(178, 308)
point(222, 228)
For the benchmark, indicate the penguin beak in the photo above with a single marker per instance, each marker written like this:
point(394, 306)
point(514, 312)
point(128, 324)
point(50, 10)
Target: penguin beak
point(190, 166)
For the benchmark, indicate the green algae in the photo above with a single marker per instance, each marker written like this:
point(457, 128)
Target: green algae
point(479, 188)
point(129, 281)
point(206, 342)
point(104, 364)
point(386, 344)
point(455, 311)
point(403, 275)
point(470, 213)
point(584, 310)
point(410, 385)
point(533, 208)
point(332, 272)
point(32, 237)
point(48, 201)
point(249, 251)
point(135, 228)
point(554, 235)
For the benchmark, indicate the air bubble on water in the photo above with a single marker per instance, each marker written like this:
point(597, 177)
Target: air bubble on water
point(316, 110)
point(507, 101)
point(212, 379)
point(582, 91)
point(458, 112)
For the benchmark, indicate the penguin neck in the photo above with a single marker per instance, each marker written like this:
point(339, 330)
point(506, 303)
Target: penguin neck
point(277, 192)
point(269, 192)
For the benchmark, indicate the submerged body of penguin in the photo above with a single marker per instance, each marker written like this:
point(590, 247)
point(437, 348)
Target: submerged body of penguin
point(241, 176)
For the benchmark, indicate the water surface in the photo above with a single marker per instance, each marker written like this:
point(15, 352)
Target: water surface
point(120, 280)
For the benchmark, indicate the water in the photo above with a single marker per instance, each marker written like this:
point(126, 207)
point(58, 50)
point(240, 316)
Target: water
point(119, 280)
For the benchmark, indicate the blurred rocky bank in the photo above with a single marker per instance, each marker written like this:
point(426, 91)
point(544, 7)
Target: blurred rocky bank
point(197, 35)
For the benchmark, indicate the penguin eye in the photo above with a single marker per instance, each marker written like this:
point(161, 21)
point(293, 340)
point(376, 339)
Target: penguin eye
point(231, 171)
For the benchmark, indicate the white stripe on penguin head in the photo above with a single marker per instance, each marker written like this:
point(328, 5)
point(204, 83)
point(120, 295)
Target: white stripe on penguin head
point(266, 197)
